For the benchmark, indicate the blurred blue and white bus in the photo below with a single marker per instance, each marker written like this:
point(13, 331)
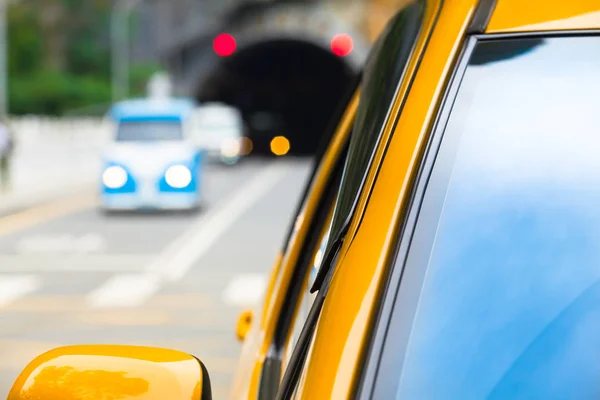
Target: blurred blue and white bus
point(153, 161)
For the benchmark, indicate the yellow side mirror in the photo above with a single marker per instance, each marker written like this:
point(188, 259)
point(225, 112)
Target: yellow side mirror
point(244, 324)
point(112, 372)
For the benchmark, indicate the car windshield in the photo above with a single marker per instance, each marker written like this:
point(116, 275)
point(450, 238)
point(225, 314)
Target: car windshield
point(510, 298)
point(148, 131)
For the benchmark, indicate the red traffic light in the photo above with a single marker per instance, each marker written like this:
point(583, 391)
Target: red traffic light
point(224, 44)
point(341, 45)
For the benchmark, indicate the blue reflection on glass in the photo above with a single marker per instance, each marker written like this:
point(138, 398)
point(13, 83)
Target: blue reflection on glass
point(510, 306)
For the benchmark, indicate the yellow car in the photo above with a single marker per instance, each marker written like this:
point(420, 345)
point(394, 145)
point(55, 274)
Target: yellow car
point(447, 246)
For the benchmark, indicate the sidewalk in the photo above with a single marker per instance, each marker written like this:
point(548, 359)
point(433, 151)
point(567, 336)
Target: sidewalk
point(45, 179)
point(22, 196)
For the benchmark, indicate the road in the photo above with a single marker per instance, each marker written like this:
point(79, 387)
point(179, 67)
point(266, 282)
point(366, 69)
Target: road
point(70, 274)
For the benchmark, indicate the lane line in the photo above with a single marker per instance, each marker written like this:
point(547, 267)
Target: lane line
point(124, 290)
point(13, 287)
point(19, 221)
point(132, 290)
point(57, 262)
point(39, 303)
point(245, 290)
point(61, 243)
point(176, 260)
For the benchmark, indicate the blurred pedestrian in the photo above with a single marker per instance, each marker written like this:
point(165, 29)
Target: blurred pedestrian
point(6, 150)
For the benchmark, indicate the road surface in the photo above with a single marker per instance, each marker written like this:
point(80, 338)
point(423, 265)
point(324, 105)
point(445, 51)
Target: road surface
point(72, 275)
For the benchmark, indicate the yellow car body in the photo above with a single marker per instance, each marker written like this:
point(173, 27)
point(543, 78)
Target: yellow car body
point(329, 344)
point(335, 359)
point(92, 372)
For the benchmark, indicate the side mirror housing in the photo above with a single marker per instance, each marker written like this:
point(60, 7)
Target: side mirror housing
point(112, 372)
point(244, 324)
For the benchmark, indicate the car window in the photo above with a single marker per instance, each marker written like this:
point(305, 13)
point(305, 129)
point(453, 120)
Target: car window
point(506, 243)
point(147, 131)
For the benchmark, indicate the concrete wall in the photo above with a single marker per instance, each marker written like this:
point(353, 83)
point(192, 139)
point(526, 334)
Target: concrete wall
point(49, 131)
point(55, 155)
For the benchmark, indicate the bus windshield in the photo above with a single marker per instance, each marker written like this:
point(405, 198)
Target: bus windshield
point(147, 131)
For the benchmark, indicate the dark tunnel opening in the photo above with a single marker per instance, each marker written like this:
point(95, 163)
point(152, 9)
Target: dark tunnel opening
point(284, 88)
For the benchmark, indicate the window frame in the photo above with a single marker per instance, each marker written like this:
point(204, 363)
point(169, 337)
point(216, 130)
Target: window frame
point(298, 359)
point(341, 222)
point(393, 316)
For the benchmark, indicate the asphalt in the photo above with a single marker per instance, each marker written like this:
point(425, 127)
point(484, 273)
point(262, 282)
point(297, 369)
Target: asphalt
point(70, 274)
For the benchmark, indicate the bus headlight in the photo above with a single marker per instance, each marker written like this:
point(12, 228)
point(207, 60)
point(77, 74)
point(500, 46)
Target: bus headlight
point(114, 177)
point(178, 176)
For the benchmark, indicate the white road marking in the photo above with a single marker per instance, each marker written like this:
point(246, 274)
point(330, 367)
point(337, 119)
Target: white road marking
point(90, 243)
point(45, 212)
point(178, 258)
point(131, 290)
point(61, 243)
point(245, 290)
point(124, 290)
point(41, 262)
point(12, 287)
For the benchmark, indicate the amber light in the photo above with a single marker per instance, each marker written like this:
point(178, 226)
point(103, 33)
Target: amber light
point(280, 145)
point(245, 146)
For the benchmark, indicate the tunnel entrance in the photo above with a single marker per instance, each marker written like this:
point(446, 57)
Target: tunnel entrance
point(286, 88)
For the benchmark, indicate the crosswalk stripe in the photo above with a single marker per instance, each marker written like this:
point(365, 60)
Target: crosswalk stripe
point(125, 290)
point(13, 287)
point(73, 262)
point(129, 290)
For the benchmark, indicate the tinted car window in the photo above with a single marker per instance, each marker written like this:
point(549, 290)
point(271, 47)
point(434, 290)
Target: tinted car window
point(510, 300)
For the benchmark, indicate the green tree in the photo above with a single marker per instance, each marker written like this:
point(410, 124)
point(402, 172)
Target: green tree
point(25, 45)
point(59, 57)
